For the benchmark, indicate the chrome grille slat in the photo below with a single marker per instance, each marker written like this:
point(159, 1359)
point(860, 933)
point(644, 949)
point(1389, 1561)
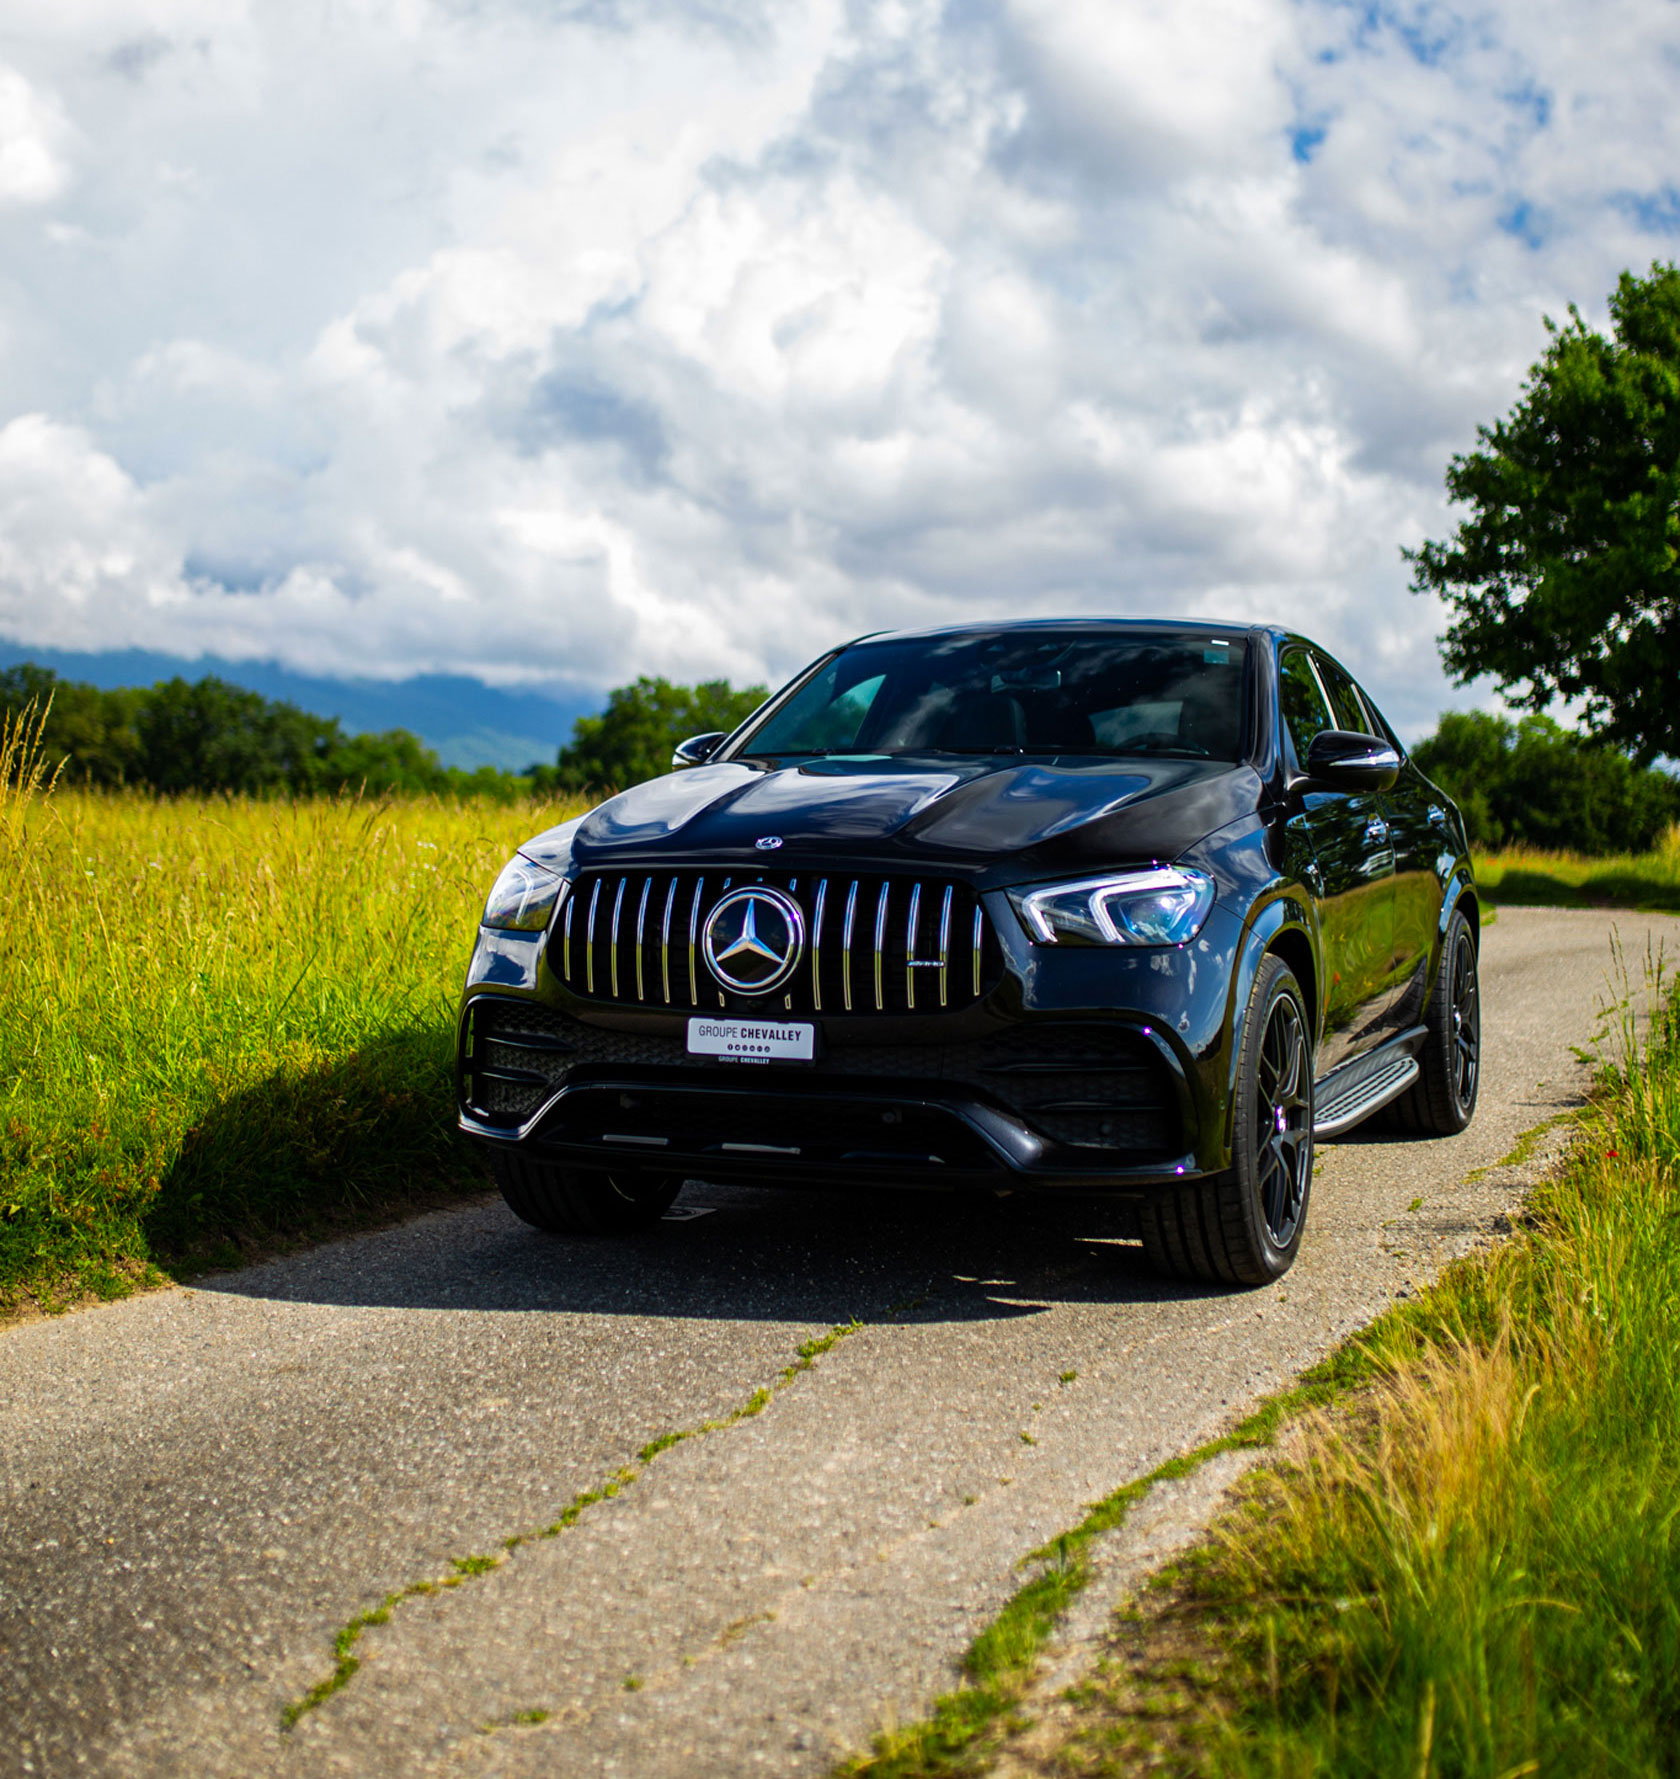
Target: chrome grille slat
point(694, 940)
point(892, 925)
point(589, 937)
point(944, 945)
point(612, 943)
point(880, 945)
point(816, 946)
point(641, 925)
point(910, 948)
point(665, 941)
point(724, 891)
point(846, 943)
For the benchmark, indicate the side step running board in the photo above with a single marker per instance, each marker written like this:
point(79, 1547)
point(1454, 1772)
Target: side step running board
point(1359, 1099)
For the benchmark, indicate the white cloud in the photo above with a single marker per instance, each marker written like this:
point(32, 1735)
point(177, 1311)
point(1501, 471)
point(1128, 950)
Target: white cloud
point(32, 142)
point(606, 338)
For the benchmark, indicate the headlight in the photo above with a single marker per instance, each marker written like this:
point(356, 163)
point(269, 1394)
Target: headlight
point(1161, 907)
point(523, 897)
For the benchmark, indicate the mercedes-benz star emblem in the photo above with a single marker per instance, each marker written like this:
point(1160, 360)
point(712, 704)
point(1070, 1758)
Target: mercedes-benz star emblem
point(754, 939)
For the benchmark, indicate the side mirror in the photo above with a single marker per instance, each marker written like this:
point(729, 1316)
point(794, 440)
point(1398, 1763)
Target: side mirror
point(697, 750)
point(1344, 761)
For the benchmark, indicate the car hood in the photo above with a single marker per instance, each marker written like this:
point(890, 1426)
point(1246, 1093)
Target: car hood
point(1067, 809)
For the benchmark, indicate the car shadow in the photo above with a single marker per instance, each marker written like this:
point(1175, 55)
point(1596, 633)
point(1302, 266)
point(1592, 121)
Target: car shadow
point(359, 1158)
point(731, 1253)
point(305, 1154)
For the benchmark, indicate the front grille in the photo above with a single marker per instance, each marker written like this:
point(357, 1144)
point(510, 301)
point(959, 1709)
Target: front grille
point(1085, 1086)
point(881, 944)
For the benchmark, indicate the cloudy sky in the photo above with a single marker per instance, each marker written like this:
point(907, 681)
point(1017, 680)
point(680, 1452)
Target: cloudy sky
point(553, 341)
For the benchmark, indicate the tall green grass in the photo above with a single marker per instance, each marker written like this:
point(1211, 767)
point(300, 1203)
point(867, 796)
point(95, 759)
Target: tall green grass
point(1575, 880)
point(1472, 1571)
point(225, 1023)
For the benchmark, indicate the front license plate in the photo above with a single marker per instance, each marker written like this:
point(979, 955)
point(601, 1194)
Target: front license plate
point(752, 1040)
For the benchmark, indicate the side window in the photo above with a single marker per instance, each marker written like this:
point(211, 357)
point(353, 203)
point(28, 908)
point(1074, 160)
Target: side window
point(1379, 724)
point(1344, 698)
point(1304, 711)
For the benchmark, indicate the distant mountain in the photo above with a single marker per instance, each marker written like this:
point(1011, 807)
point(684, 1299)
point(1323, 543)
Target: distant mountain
point(465, 722)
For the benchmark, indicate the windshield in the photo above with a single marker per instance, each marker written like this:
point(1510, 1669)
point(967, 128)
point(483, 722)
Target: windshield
point(1018, 692)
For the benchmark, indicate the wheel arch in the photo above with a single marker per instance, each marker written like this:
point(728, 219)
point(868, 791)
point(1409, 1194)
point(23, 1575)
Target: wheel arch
point(1462, 898)
point(1295, 948)
point(1280, 928)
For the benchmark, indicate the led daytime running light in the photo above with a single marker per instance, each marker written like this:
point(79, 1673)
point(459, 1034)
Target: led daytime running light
point(523, 897)
point(1164, 906)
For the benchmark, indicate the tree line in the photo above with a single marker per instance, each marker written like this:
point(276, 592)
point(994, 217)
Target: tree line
point(1531, 782)
point(209, 735)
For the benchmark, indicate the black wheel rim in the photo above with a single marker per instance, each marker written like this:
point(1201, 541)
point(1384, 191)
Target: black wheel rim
point(1466, 1022)
point(1283, 1121)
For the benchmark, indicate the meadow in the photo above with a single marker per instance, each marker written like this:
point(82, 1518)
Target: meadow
point(1574, 880)
point(226, 1024)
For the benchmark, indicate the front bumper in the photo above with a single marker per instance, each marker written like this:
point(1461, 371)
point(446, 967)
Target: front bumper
point(1082, 1070)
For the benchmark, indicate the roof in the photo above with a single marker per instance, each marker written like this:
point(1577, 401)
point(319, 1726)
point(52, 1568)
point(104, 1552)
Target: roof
point(1071, 621)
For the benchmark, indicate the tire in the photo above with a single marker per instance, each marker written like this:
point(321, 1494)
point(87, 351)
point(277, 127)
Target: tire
point(582, 1201)
point(1442, 1101)
point(1244, 1227)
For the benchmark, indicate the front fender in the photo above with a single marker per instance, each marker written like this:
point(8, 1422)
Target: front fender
point(1285, 917)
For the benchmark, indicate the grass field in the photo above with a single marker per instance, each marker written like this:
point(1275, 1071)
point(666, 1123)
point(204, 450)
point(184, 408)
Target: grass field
point(225, 1024)
point(1572, 880)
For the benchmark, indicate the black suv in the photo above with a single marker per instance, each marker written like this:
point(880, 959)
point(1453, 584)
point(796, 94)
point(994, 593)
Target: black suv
point(1079, 906)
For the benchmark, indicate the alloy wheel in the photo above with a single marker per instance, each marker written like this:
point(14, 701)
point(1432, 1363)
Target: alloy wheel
point(1283, 1127)
point(1466, 1021)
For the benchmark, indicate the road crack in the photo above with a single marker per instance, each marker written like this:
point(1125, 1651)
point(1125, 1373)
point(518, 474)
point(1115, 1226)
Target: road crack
point(461, 1570)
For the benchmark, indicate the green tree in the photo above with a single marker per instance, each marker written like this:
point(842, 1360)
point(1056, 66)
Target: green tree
point(1536, 783)
point(393, 760)
point(210, 735)
point(631, 740)
point(1564, 581)
point(90, 730)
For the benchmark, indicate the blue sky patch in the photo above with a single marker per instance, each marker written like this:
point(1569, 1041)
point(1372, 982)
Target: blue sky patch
point(1654, 212)
point(1535, 100)
point(1530, 224)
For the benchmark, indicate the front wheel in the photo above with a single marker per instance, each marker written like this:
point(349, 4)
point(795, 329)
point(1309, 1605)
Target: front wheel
point(582, 1200)
point(1244, 1227)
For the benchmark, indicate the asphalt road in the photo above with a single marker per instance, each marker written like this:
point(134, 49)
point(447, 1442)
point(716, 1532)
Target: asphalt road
point(199, 1488)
